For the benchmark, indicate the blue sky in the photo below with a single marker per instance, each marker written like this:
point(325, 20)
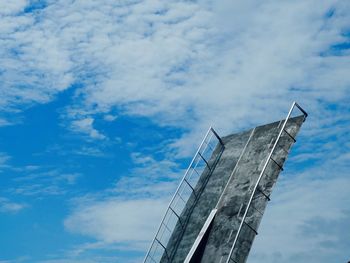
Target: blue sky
point(102, 104)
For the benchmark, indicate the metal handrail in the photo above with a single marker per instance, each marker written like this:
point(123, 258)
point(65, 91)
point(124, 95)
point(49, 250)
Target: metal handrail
point(179, 187)
point(262, 173)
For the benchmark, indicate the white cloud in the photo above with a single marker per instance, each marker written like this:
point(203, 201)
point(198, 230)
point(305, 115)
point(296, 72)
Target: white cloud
point(121, 215)
point(51, 182)
point(185, 61)
point(308, 216)
point(189, 64)
point(17, 260)
point(4, 161)
point(179, 62)
point(86, 126)
point(34, 66)
point(192, 65)
point(117, 220)
point(150, 178)
point(7, 206)
point(12, 7)
point(89, 151)
point(4, 158)
point(4, 122)
point(110, 117)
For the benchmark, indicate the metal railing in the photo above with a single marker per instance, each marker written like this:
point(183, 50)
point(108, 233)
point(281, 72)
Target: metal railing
point(256, 188)
point(187, 193)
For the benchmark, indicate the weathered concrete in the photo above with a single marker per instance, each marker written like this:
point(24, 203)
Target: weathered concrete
point(208, 199)
point(228, 188)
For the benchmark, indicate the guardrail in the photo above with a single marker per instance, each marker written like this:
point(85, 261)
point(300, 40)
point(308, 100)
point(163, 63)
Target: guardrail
point(256, 188)
point(180, 207)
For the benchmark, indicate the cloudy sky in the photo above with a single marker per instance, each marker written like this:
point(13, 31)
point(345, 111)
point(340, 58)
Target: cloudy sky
point(103, 102)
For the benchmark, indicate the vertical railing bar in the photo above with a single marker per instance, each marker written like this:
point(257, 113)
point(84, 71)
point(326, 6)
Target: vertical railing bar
point(206, 162)
point(248, 225)
point(301, 109)
point(217, 136)
point(208, 144)
point(175, 213)
point(190, 175)
point(166, 226)
point(160, 236)
point(182, 198)
point(211, 135)
point(290, 135)
point(193, 169)
point(155, 243)
point(196, 171)
point(153, 259)
point(263, 193)
point(169, 218)
point(160, 243)
point(258, 181)
point(280, 166)
point(187, 182)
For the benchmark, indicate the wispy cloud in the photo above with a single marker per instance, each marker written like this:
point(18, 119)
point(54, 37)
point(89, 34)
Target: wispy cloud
point(86, 126)
point(4, 161)
point(189, 65)
point(113, 217)
point(174, 61)
point(7, 206)
point(307, 217)
point(17, 260)
point(150, 178)
point(52, 182)
point(89, 151)
point(4, 122)
point(4, 158)
point(116, 220)
point(34, 67)
point(110, 117)
point(12, 7)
